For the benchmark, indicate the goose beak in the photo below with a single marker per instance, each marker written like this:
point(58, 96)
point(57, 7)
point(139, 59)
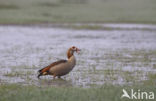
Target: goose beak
point(78, 51)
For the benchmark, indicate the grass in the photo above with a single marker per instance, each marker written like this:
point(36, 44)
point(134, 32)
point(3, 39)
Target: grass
point(3, 6)
point(152, 76)
point(18, 73)
point(71, 11)
point(14, 92)
point(151, 79)
point(92, 27)
point(110, 58)
point(145, 57)
point(124, 66)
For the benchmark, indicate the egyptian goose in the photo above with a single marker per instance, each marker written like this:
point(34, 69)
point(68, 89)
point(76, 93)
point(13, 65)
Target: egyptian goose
point(61, 67)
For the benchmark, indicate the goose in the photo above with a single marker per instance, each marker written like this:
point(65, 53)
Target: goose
point(61, 67)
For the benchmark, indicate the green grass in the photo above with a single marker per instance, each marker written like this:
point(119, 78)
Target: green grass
point(61, 11)
point(18, 73)
point(4, 6)
point(33, 93)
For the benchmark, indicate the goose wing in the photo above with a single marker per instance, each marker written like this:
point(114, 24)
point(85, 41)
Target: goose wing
point(46, 69)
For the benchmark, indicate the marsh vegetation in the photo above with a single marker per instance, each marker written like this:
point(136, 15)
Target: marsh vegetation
point(117, 39)
point(69, 11)
point(107, 57)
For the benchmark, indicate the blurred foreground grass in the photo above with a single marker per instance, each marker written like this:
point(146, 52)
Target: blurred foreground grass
point(69, 11)
point(14, 92)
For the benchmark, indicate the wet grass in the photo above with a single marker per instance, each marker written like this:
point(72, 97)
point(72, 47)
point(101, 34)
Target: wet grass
point(117, 67)
point(14, 92)
point(151, 79)
point(87, 26)
point(154, 66)
point(5, 6)
point(58, 11)
point(152, 76)
point(100, 62)
point(18, 73)
point(95, 26)
point(133, 57)
point(48, 4)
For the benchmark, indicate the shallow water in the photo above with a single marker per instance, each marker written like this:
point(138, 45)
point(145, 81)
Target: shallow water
point(107, 56)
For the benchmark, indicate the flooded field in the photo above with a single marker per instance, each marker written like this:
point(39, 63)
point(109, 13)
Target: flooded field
point(117, 56)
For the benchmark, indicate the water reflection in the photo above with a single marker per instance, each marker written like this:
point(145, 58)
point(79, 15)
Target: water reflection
point(55, 82)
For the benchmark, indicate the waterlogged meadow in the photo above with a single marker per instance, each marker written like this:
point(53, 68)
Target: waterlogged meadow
point(112, 54)
point(114, 57)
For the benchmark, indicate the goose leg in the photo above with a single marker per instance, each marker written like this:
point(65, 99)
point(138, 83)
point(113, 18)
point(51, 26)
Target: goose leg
point(54, 76)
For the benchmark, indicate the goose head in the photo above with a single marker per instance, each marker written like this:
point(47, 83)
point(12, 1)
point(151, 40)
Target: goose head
point(72, 50)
